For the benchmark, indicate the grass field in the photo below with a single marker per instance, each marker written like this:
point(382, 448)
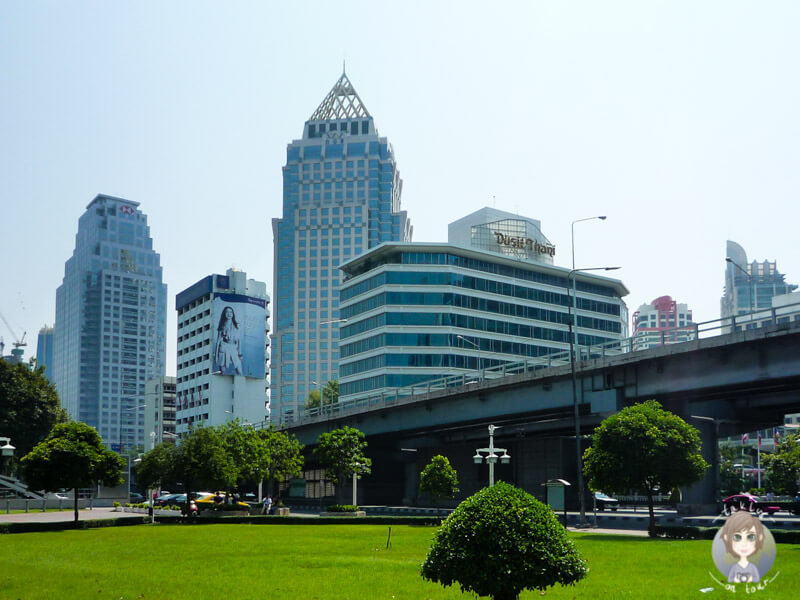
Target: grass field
point(207, 562)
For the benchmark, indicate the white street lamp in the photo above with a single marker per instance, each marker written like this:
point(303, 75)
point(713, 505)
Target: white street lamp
point(491, 457)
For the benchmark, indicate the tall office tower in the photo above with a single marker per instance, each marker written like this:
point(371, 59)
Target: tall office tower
point(662, 322)
point(341, 196)
point(223, 345)
point(749, 286)
point(44, 351)
point(111, 313)
point(159, 411)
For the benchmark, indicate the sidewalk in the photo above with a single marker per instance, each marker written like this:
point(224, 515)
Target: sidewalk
point(64, 515)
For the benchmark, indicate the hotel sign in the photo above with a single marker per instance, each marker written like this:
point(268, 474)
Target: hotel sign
point(524, 243)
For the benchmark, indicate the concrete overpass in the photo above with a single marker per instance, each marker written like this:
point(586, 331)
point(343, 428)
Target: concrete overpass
point(737, 382)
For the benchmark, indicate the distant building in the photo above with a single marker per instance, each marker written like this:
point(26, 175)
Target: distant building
point(110, 329)
point(159, 410)
point(223, 345)
point(662, 322)
point(420, 311)
point(750, 286)
point(341, 196)
point(44, 351)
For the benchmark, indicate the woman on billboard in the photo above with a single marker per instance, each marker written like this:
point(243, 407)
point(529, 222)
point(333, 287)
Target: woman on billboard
point(228, 349)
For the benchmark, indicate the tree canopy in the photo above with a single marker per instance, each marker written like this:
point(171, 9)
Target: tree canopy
point(439, 478)
point(783, 467)
point(341, 453)
point(330, 395)
point(72, 456)
point(644, 448)
point(502, 541)
point(29, 406)
point(202, 460)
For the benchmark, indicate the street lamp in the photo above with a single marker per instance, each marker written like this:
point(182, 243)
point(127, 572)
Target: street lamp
point(491, 457)
point(476, 346)
point(572, 228)
point(6, 451)
point(572, 308)
point(728, 259)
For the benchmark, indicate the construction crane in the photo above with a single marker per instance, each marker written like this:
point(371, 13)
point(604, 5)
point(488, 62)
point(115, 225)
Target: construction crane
point(18, 342)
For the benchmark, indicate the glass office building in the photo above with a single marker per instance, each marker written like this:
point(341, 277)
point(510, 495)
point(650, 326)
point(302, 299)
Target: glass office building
point(418, 311)
point(341, 196)
point(44, 351)
point(110, 330)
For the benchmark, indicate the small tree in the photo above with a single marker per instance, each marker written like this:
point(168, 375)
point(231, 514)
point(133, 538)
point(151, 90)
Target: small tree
point(201, 460)
point(285, 453)
point(72, 456)
point(157, 466)
point(247, 449)
point(644, 447)
point(500, 542)
point(341, 454)
point(783, 467)
point(439, 479)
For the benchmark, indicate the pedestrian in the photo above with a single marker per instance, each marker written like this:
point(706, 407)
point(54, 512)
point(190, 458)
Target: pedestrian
point(267, 505)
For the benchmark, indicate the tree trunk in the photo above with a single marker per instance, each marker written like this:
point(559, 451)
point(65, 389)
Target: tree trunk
point(651, 529)
point(75, 500)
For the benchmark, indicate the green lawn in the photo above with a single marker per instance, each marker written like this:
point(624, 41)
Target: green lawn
point(206, 562)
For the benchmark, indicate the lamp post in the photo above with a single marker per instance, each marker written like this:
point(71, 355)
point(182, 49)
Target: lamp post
point(6, 451)
point(572, 308)
point(477, 347)
point(491, 457)
point(728, 259)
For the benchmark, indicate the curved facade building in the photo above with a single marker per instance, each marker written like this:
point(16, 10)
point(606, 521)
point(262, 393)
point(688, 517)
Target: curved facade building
point(418, 311)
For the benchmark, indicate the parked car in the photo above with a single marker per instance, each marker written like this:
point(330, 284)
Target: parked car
point(135, 498)
point(211, 501)
point(748, 502)
point(604, 501)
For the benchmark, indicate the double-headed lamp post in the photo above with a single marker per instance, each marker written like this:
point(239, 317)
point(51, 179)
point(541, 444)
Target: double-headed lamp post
point(6, 452)
point(491, 457)
point(572, 308)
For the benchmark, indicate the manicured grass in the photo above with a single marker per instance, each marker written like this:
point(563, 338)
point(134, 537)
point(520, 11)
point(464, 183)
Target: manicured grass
point(325, 562)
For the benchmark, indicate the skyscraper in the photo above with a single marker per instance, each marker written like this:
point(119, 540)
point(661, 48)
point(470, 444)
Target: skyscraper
point(750, 286)
point(341, 196)
point(110, 330)
point(662, 322)
point(44, 351)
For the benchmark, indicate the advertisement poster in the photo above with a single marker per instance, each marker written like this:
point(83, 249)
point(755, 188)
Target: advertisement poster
point(239, 335)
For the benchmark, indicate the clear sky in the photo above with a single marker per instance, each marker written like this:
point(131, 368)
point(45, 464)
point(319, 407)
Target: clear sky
point(678, 120)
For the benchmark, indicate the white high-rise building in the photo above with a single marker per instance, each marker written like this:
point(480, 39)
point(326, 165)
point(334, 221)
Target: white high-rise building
point(223, 351)
point(111, 321)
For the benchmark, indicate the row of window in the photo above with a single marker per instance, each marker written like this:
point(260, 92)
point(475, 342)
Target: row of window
point(194, 361)
point(352, 127)
point(469, 282)
point(194, 332)
point(185, 322)
point(193, 347)
point(479, 304)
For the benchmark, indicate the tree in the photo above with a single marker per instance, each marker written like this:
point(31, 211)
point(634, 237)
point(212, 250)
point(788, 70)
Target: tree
point(157, 466)
point(730, 477)
point(330, 395)
point(72, 456)
point(285, 454)
point(341, 454)
point(644, 447)
point(201, 460)
point(29, 406)
point(783, 467)
point(502, 541)
point(439, 479)
point(312, 401)
point(247, 449)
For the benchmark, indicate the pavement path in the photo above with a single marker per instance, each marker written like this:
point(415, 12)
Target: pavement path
point(64, 515)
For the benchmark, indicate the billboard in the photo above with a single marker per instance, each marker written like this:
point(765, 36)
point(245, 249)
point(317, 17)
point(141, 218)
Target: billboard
point(239, 335)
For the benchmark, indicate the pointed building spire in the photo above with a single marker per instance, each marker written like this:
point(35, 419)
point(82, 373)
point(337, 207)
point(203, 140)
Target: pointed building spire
point(342, 102)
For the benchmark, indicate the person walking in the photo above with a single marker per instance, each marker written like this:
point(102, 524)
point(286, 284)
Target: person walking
point(267, 505)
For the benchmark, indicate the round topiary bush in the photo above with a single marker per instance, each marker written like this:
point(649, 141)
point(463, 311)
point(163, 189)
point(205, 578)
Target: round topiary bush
point(502, 541)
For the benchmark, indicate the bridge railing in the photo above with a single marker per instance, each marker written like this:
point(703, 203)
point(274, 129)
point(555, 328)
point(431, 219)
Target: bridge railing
point(672, 336)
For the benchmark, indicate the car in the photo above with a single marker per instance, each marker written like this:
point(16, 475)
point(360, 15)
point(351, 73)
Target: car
point(211, 501)
point(135, 498)
point(603, 501)
point(57, 496)
point(165, 499)
point(748, 502)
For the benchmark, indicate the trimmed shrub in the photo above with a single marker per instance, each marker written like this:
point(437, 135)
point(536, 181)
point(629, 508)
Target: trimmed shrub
point(502, 541)
point(342, 508)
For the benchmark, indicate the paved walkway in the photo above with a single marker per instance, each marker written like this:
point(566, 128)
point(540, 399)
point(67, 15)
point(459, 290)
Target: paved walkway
point(63, 515)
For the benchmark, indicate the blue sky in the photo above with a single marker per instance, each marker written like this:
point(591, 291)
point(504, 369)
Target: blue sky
point(676, 119)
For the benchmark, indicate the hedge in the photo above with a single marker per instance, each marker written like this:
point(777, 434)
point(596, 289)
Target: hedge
point(688, 532)
point(28, 527)
point(290, 520)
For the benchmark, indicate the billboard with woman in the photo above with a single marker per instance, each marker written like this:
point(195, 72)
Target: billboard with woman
point(239, 335)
